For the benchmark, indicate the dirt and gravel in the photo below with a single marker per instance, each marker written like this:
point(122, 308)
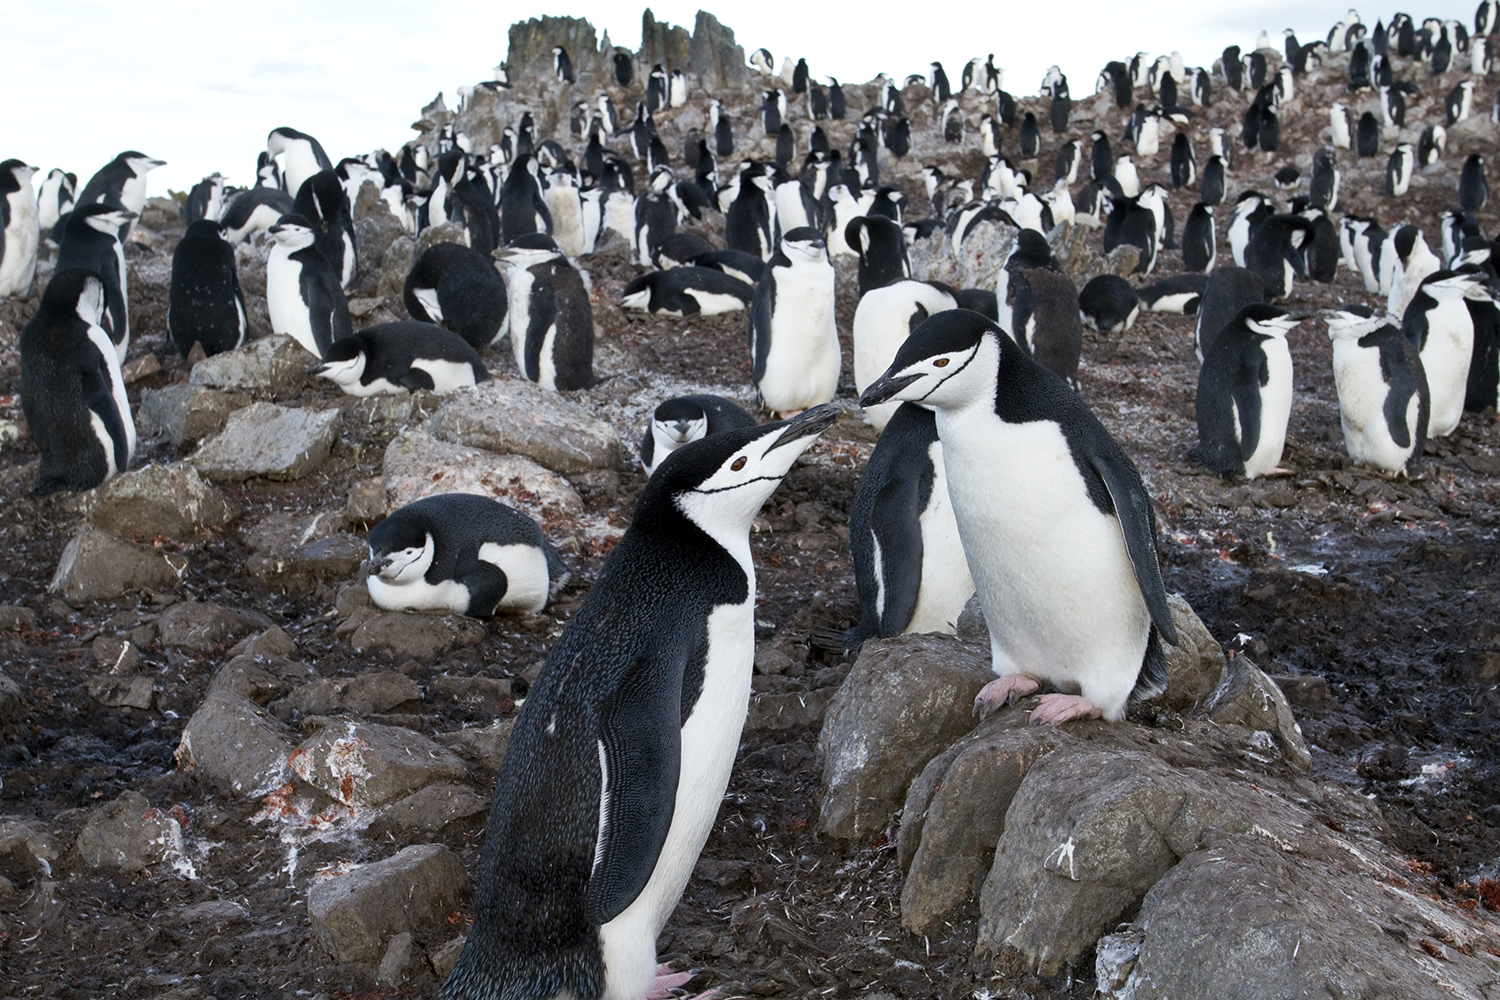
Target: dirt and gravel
point(1373, 599)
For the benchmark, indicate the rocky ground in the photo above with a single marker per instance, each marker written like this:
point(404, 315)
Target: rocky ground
point(225, 775)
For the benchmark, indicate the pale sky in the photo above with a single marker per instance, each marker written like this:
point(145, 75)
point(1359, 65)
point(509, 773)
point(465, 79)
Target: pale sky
point(200, 84)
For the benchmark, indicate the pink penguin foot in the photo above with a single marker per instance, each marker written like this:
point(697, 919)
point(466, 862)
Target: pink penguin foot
point(1003, 691)
point(668, 985)
point(1055, 709)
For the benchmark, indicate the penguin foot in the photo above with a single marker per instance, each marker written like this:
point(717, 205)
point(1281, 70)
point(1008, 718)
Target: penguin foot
point(1056, 709)
point(668, 984)
point(1003, 691)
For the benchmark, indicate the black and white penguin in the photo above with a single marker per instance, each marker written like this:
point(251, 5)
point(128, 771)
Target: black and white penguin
point(1382, 388)
point(300, 154)
point(735, 263)
point(91, 240)
point(1229, 289)
point(562, 64)
point(56, 198)
point(121, 183)
point(722, 128)
point(881, 247)
point(1398, 170)
point(655, 217)
point(1367, 136)
point(1030, 137)
point(397, 358)
point(71, 389)
point(1200, 245)
point(883, 320)
point(303, 295)
point(551, 318)
point(322, 202)
point(1361, 240)
point(1046, 321)
point(685, 419)
point(1180, 294)
point(1133, 223)
point(205, 200)
point(748, 224)
point(680, 249)
point(1473, 186)
point(1275, 252)
point(624, 68)
point(619, 759)
point(1030, 250)
point(687, 291)
point(1244, 396)
point(1056, 524)
point(1211, 187)
point(20, 228)
point(462, 553)
point(1184, 162)
point(205, 305)
point(909, 563)
point(1341, 126)
point(523, 209)
point(793, 339)
point(1439, 325)
point(455, 286)
point(1323, 187)
point(1108, 304)
point(254, 211)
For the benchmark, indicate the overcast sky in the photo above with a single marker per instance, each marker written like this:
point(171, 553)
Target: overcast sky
point(200, 84)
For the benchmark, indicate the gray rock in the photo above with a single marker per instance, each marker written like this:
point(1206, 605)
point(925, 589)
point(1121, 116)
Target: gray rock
point(366, 764)
point(203, 626)
point(485, 745)
point(355, 915)
point(375, 691)
point(1076, 248)
point(445, 956)
point(403, 635)
point(185, 414)
point(283, 531)
point(1250, 917)
point(448, 232)
point(29, 847)
point(789, 710)
point(971, 624)
point(661, 42)
point(116, 654)
point(273, 642)
point(374, 232)
point(391, 413)
point(1196, 665)
point(127, 834)
point(395, 265)
point(303, 568)
point(229, 739)
point(432, 808)
point(398, 958)
point(418, 465)
point(98, 565)
point(367, 503)
point(212, 916)
point(268, 440)
point(481, 695)
point(1251, 699)
point(517, 417)
point(714, 60)
point(160, 500)
point(115, 691)
point(274, 366)
point(903, 702)
point(10, 698)
point(14, 616)
point(530, 53)
point(955, 813)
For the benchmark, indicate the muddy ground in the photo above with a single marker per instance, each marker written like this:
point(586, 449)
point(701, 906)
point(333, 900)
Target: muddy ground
point(1374, 598)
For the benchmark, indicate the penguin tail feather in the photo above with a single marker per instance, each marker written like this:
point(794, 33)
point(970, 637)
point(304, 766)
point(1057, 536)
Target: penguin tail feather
point(1152, 681)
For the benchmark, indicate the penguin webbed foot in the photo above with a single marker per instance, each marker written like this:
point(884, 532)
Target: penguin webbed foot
point(1002, 691)
point(1055, 709)
point(668, 984)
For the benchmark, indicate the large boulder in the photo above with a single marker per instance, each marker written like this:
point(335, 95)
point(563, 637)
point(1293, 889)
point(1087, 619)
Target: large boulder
point(715, 61)
point(517, 417)
point(98, 565)
point(355, 915)
point(264, 439)
point(160, 500)
point(130, 836)
point(904, 701)
point(365, 764)
point(419, 465)
point(185, 414)
point(274, 366)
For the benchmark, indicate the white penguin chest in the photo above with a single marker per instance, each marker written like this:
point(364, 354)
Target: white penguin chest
point(946, 583)
point(22, 237)
point(525, 568)
point(802, 361)
point(284, 301)
point(1362, 391)
point(1446, 357)
point(1275, 409)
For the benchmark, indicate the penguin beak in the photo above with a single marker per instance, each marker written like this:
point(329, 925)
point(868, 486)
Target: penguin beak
point(317, 370)
point(885, 387)
point(808, 423)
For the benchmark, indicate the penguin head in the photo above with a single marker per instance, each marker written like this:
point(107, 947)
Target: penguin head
point(803, 245)
point(401, 549)
point(721, 481)
point(948, 361)
point(292, 231)
point(675, 423)
point(529, 250)
point(1266, 320)
point(103, 218)
point(1351, 322)
point(139, 163)
point(21, 171)
point(344, 362)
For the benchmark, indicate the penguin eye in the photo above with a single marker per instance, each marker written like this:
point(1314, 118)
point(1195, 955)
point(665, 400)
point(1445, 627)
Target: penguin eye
point(739, 464)
point(941, 362)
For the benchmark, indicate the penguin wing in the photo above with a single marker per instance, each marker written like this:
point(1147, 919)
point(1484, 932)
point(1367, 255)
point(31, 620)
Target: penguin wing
point(543, 315)
point(640, 757)
point(760, 326)
point(414, 379)
point(98, 396)
point(320, 308)
point(896, 525)
point(1253, 373)
point(1138, 525)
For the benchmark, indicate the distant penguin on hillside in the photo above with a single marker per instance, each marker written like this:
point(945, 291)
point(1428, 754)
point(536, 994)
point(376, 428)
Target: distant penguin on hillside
point(1184, 162)
point(881, 247)
point(301, 156)
point(794, 341)
point(551, 318)
point(684, 419)
point(402, 357)
point(20, 229)
point(1244, 396)
point(1200, 246)
point(1398, 170)
point(303, 295)
point(455, 286)
point(205, 304)
point(562, 64)
point(1382, 388)
point(1473, 186)
point(71, 389)
point(91, 240)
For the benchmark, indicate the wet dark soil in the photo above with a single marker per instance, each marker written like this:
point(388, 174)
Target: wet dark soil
point(1372, 598)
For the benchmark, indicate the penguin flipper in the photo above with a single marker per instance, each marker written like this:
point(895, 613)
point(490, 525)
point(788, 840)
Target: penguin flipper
point(760, 327)
point(319, 311)
point(1245, 391)
point(896, 523)
point(415, 379)
point(1138, 525)
point(100, 400)
point(640, 757)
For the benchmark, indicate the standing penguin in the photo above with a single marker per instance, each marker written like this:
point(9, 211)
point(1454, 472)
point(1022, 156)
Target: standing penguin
point(793, 340)
point(562, 64)
point(1211, 187)
point(455, 286)
point(1184, 162)
point(684, 419)
point(551, 318)
point(303, 295)
point(1056, 524)
point(909, 562)
point(1273, 246)
point(301, 156)
point(1244, 396)
point(1473, 186)
point(880, 244)
point(322, 202)
point(402, 357)
point(59, 191)
point(121, 183)
point(1367, 136)
point(1200, 246)
point(1229, 289)
point(883, 320)
point(1439, 325)
point(205, 305)
point(462, 553)
point(523, 210)
point(1323, 188)
point(91, 240)
point(621, 754)
point(1398, 170)
point(1382, 387)
point(655, 217)
point(71, 389)
point(20, 229)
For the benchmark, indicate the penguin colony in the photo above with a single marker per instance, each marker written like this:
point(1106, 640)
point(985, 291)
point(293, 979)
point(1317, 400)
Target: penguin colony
point(991, 473)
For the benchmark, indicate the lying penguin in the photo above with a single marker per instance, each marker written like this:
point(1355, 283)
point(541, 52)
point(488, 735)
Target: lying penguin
point(394, 358)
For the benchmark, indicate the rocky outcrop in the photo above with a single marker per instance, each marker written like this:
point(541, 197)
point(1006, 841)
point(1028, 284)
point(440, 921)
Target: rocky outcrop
point(715, 61)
